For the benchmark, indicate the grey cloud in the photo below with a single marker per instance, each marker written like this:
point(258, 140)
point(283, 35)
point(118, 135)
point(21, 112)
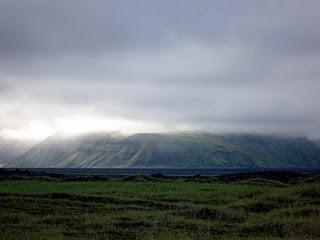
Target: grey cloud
point(210, 65)
point(47, 27)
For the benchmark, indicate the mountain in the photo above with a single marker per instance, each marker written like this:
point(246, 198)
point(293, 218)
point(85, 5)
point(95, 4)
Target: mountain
point(12, 148)
point(52, 151)
point(171, 150)
point(317, 142)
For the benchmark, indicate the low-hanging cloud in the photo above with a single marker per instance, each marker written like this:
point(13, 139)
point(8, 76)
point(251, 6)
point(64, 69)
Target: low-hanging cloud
point(169, 65)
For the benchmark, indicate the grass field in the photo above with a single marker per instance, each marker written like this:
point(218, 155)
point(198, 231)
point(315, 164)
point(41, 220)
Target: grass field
point(158, 209)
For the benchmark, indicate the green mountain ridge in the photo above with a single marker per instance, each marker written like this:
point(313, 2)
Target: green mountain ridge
point(188, 150)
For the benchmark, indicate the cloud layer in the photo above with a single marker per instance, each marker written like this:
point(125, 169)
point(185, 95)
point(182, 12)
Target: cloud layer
point(166, 65)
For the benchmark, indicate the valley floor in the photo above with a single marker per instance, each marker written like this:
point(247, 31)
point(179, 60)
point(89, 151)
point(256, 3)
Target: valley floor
point(160, 208)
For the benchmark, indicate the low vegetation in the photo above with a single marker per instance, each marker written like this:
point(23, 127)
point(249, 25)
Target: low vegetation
point(157, 207)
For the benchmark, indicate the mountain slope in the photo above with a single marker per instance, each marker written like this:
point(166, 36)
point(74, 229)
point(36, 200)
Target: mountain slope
point(172, 150)
point(50, 152)
point(317, 142)
point(12, 148)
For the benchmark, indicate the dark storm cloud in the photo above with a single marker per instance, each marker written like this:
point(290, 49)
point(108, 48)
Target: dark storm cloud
point(210, 65)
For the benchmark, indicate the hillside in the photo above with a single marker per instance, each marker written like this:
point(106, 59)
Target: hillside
point(12, 148)
point(317, 142)
point(171, 150)
point(53, 151)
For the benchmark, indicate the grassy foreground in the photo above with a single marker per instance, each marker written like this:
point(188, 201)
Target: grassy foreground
point(159, 209)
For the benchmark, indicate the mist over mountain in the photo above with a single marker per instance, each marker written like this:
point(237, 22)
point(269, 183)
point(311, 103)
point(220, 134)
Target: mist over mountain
point(182, 149)
point(12, 148)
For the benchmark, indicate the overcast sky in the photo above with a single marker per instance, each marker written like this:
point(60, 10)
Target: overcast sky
point(236, 66)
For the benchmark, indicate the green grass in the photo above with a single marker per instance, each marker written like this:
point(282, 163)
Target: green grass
point(168, 209)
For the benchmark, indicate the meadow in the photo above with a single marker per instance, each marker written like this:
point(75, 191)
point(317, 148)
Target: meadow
point(142, 207)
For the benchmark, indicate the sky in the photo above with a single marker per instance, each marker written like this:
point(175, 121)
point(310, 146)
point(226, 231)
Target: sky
point(153, 66)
